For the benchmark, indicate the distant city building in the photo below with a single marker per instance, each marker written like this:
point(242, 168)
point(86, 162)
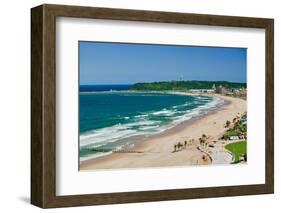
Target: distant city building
point(238, 92)
point(199, 91)
point(221, 90)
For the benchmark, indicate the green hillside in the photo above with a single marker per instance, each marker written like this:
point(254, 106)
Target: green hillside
point(185, 85)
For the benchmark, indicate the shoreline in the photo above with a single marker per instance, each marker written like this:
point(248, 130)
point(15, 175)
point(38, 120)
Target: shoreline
point(172, 92)
point(157, 150)
point(177, 124)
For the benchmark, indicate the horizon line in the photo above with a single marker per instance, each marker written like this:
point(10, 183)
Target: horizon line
point(88, 84)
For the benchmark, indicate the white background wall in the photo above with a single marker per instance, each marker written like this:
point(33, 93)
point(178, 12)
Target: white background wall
point(15, 104)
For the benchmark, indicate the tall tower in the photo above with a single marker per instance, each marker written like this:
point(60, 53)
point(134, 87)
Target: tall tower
point(180, 77)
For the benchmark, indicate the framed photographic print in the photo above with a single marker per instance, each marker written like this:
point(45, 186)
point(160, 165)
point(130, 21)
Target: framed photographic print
point(136, 106)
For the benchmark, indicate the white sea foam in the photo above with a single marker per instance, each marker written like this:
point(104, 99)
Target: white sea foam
point(141, 123)
point(149, 127)
point(100, 137)
point(141, 116)
point(187, 104)
point(164, 112)
point(200, 110)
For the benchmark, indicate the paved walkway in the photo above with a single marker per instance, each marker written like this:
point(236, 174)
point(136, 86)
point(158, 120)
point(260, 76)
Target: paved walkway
point(221, 157)
point(218, 154)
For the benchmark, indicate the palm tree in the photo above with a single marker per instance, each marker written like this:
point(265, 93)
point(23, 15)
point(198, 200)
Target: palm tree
point(201, 141)
point(204, 137)
point(179, 145)
point(227, 123)
point(204, 157)
point(175, 147)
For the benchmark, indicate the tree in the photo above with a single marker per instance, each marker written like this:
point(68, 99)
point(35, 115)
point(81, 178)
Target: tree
point(227, 123)
point(204, 158)
point(201, 141)
point(179, 145)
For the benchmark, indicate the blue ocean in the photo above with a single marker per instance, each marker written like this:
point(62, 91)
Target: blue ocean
point(103, 88)
point(111, 117)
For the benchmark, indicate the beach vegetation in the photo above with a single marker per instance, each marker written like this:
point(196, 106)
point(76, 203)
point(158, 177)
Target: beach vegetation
point(229, 133)
point(227, 124)
point(184, 85)
point(204, 158)
point(178, 146)
point(238, 129)
point(175, 147)
point(203, 139)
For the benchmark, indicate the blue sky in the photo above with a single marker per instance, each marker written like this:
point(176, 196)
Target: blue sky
point(120, 63)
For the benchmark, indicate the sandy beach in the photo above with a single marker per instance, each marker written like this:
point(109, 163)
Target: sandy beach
point(158, 150)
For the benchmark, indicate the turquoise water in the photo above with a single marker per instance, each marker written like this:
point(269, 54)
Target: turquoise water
point(110, 120)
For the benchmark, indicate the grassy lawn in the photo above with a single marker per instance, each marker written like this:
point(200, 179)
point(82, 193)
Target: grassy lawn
point(239, 148)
